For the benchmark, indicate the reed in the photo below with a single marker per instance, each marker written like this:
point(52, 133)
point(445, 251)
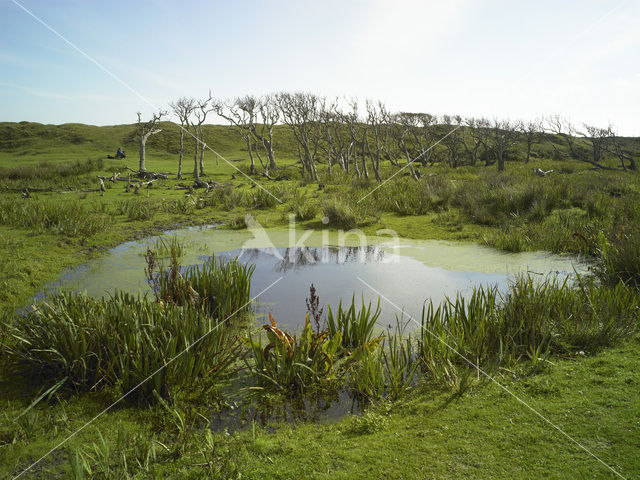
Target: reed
point(63, 218)
point(183, 338)
point(302, 206)
point(388, 371)
point(533, 320)
point(120, 341)
point(221, 288)
point(136, 209)
point(340, 214)
point(355, 326)
point(620, 257)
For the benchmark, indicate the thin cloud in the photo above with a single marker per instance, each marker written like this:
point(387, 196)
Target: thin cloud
point(81, 96)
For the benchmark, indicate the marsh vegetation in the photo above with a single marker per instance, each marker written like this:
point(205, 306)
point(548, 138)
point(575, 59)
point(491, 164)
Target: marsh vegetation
point(73, 354)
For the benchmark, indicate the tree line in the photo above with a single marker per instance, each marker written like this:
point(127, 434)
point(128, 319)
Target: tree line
point(359, 137)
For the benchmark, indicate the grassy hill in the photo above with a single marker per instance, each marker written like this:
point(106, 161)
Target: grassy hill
point(26, 142)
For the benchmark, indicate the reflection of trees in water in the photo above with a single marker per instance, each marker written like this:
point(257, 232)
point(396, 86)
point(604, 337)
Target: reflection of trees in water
point(290, 258)
point(295, 257)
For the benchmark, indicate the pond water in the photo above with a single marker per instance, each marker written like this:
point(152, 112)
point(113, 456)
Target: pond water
point(405, 271)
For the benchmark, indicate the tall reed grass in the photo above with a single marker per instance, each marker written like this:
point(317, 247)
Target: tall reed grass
point(137, 209)
point(532, 320)
point(120, 341)
point(388, 371)
point(69, 219)
point(355, 326)
point(182, 338)
point(220, 288)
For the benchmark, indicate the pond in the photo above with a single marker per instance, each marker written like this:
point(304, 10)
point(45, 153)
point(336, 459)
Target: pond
point(405, 272)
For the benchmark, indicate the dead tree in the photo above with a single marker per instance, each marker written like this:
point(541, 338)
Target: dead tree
point(503, 137)
point(377, 118)
point(405, 131)
point(532, 131)
point(453, 140)
point(241, 119)
point(202, 109)
point(144, 131)
point(269, 117)
point(474, 138)
point(332, 128)
point(427, 125)
point(616, 146)
point(598, 139)
point(574, 140)
point(350, 120)
point(302, 113)
point(183, 109)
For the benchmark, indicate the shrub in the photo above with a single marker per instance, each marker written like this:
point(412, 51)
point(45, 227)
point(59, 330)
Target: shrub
point(620, 257)
point(267, 198)
point(237, 222)
point(340, 214)
point(303, 207)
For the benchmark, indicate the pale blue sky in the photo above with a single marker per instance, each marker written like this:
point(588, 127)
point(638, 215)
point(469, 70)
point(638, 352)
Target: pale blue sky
point(510, 59)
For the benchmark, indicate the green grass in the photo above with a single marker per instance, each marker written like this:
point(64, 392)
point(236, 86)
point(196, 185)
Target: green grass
point(485, 433)
point(431, 430)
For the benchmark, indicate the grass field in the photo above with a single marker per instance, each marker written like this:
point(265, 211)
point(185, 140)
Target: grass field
point(470, 428)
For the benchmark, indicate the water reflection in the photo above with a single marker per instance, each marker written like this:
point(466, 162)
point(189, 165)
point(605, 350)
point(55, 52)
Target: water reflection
point(407, 273)
point(291, 258)
point(336, 272)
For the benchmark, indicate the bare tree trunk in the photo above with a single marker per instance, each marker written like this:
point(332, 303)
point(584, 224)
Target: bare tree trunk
point(202, 148)
point(182, 108)
point(252, 167)
point(145, 130)
point(264, 165)
point(196, 173)
point(364, 153)
point(143, 142)
point(181, 151)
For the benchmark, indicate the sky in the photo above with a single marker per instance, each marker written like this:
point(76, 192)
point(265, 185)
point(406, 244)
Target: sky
point(493, 58)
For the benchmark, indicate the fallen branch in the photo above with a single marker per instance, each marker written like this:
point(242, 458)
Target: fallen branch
point(147, 174)
point(82, 191)
point(282, 176)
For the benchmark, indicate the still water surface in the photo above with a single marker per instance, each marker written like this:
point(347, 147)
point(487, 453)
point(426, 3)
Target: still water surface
point(405, 271)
